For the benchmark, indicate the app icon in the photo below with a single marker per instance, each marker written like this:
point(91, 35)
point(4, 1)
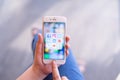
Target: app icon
point(58, 35)
point(59, 41)
point(48, 40)
point(54, 46)
point(59, 46)
point(60, 56)
point(54, 40)
point(54, 35)
point(46, 50)
point(46, 56)
point(48, 35)
point(48, 45)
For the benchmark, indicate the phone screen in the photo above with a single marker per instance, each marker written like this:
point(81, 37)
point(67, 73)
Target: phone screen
point(54, 40)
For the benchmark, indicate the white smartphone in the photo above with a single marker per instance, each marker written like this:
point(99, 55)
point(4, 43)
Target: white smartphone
point(54, 28)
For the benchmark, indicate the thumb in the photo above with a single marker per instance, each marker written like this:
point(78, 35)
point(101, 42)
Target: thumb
point(38, 49)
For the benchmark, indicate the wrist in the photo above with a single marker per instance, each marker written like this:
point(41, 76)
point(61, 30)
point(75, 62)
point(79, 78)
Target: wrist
point(38, 73)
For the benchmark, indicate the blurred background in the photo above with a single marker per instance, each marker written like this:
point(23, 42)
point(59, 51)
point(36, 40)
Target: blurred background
point(92, 24)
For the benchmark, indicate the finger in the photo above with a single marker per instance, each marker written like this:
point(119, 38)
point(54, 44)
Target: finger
point(67, 52)
point(64, 78)
point(55, 72)
point(67, 46)
point(38, 49)
point(67, 38)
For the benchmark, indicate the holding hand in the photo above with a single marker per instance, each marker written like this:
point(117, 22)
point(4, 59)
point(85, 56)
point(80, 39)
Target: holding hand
point(39, 70)
point(38, 59)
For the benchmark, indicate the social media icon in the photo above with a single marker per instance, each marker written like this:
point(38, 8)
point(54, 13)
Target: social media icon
point(48, 35)
point(53, 35)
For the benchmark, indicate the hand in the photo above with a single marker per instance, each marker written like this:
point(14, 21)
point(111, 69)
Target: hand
point(38, 70)
point(55, 73)
point(39, 67)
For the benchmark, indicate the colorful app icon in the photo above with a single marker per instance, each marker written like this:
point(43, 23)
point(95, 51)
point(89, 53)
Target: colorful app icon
point(46, 50)
point(54, 40)
point(54, 46)
point(60, 41)
point(59, 35)
point(54, 35)
point(48, 35)
point(46, 56)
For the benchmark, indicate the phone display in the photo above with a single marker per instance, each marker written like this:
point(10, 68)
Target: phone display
point(54, 40)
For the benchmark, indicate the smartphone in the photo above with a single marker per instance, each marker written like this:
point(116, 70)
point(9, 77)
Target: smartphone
point(54, 28)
